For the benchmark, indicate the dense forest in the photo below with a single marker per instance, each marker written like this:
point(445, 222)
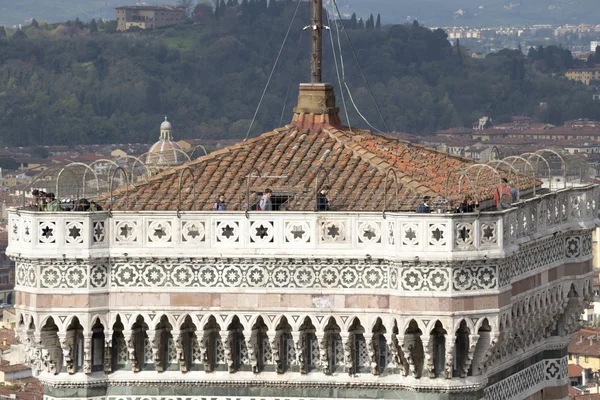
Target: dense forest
point(84, 83)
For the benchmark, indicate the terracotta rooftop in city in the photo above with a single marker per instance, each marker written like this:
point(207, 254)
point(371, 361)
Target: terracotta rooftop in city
point(585, 342)
point(354, 162)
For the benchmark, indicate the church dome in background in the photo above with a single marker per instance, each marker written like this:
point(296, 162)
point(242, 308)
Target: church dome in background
point(165, 152)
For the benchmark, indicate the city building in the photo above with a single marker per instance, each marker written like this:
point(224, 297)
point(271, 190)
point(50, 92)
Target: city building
point(584, 75)
point(148, 17)
point(356, 297)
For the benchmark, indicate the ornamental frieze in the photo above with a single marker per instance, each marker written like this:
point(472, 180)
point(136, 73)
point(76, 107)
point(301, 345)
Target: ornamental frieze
point(305, 273)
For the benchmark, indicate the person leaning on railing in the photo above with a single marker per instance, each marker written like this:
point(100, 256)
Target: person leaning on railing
point(51, 204)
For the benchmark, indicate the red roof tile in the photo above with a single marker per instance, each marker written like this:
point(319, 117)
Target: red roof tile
point(354, 162)
point(575, 370)
point(585, 342)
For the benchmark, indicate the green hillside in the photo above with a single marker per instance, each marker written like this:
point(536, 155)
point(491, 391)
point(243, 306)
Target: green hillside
point(429, 12)
point(62, 85)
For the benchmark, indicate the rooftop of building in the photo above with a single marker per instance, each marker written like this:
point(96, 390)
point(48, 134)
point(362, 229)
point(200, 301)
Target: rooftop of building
point(585, 342)
point(150, 8)
point(290, 160)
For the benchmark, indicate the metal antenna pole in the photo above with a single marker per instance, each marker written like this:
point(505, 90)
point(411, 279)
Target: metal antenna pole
point(316, 44)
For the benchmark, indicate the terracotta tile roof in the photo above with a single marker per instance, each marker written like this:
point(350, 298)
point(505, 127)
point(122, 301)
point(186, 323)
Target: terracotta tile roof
point(7, 338)
point(27, 389)
point(356, 163)
point(14, 368)
point(585, 342)
point(575, 370)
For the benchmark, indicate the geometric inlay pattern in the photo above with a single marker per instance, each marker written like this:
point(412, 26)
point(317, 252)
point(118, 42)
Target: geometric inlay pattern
point(228, 231)
point(74, 232)
point(98, 276)
point(424, 279)
point(126, 231)
point(261, 232)
point(98, 233)
point(47, 232)
point(437, 234)
point(60, 276)
point(369, 232)
point(332, 232)
point(159, 231)
point(528, 378)
point(276, 274)
point(193, 231)
point(480, 277)
point(297, 232)
point(26, 275)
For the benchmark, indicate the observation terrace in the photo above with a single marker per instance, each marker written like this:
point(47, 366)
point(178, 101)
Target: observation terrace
point(465, 304)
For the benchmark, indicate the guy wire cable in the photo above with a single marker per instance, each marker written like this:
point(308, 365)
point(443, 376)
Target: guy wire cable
point(337, 71)
point(359, 66)
point(272, 70)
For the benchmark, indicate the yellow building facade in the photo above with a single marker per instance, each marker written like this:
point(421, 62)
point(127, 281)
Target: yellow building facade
point(148, 17)
point(584, 76)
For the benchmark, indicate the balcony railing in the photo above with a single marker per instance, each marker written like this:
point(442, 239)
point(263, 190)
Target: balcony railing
point(400, 236)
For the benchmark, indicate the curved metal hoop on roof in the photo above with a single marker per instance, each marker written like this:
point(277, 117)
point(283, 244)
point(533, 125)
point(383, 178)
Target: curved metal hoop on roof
point(495, 152)
point(196, 148)
point(390, 171)
point(481, 167)
point(135, 162)
point(317, 187)
point(248, 187)
point(410, 197)
point(46, 174)
point(188, 169)
point(463, 175)
point(70, 168)
point(511, 169)
point(112, 178)
point(97, 165)
point(563, 165)
point(528, 157)
point(513, 159)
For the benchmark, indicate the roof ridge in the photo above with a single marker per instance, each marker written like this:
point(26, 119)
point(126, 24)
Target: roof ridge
point(381, 166)
point(376, 161)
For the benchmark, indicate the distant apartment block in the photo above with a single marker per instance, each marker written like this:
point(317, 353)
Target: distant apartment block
point(148, 17)
point(585, 75)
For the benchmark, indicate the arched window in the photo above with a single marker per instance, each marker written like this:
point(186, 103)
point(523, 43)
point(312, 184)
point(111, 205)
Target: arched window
point(97, 346)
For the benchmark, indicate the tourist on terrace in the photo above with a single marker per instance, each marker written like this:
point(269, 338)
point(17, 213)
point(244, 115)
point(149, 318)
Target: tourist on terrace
point(220, 203)
point(265, 201)
point(322, 200)
point(505, 202)
point(51, 204)
point(468, 205)
point(500, 191)
point(514, 193)
point(425, 208)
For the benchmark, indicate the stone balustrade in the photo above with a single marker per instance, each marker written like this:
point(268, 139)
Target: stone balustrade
point(393, 236)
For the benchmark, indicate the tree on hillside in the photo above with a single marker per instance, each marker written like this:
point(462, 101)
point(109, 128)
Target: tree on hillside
point(8, 163)
point(186, 5)
point(378, 23)
point(40, 152)
point(370, 24)
point(202, 13)
point(361, 24)
point(93, 26)
point(19, 34)
point(34, 23)
point(2, 31)
point(353, 22)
